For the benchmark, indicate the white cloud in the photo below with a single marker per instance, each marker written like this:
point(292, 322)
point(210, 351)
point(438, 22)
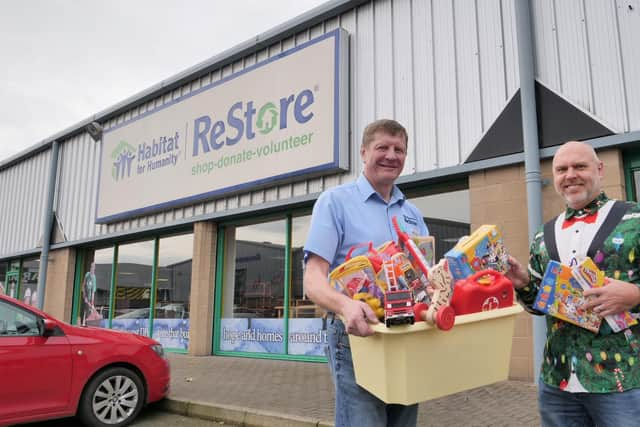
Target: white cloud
point(64, 60)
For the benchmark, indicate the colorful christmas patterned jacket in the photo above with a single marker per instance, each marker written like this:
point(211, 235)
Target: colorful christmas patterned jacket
point(576, 359)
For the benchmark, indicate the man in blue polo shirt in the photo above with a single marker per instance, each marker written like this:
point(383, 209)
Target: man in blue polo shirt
point(343, 217)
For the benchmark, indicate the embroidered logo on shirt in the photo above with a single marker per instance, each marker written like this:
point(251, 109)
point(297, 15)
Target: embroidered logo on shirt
point(410, 220)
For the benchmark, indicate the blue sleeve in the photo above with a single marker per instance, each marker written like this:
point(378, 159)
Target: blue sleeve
point(326, 229)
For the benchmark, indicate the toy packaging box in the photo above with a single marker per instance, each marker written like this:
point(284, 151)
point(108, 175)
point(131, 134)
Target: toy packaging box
point(369, 277)
point(427, 246)
point(590, 276)
point(482, 250)
point(561, 296)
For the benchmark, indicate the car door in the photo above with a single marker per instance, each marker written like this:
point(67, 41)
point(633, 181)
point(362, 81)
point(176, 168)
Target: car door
point(35, 370)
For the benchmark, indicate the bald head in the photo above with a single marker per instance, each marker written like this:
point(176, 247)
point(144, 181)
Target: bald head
point(577, 146)
point(577, 173)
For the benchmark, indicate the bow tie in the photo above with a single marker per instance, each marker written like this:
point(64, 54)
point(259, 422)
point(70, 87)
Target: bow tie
point(588, 218)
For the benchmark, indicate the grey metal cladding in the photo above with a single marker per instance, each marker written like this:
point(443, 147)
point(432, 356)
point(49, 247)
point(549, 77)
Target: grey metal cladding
point(23, 189)
point(587, 51)
point(444, 68)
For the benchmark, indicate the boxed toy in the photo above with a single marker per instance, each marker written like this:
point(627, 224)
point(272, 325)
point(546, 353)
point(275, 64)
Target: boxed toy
point(480, 251)
point(370, 277)
point(590, 276)
point(427, 247)
point(561, 296)
point(356, 275)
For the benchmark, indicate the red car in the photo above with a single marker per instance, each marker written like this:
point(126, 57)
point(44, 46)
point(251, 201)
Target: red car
point(50, 369)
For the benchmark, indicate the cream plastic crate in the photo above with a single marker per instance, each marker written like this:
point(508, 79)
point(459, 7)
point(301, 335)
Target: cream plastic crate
point(410, 364)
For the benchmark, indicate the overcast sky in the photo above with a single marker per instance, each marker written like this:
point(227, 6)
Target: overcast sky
point(65, 60)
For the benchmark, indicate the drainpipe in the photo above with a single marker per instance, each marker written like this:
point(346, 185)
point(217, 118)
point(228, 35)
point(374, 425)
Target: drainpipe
point(47, 224)
point(533, 176)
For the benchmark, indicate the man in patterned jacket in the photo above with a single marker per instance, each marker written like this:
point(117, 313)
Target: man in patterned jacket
point(588, 378)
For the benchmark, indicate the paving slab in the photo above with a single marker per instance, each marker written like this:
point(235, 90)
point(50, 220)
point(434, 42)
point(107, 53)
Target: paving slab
point(263, 392)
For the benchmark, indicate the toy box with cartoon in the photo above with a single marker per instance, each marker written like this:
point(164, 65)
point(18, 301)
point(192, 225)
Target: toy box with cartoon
point(590, 276)
point(482, 250)
point(357, 278)
point(561, 296)
point(387, 271)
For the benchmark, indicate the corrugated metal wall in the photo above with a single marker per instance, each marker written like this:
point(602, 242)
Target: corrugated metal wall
point(78, 167)
point(587, 51)
point(23, 190)
point(444, 68)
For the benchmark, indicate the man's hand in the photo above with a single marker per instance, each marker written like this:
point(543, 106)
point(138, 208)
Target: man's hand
point(517, 273)
point(357, 316)
point(615, 297)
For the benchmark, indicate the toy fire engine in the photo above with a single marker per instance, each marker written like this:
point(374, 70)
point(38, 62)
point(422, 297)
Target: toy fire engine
point(398, 303)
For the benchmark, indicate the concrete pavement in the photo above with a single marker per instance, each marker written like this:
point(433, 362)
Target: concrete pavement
point(260, 392)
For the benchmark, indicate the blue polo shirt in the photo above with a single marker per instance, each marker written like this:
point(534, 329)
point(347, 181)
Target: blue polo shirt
point(355, 213)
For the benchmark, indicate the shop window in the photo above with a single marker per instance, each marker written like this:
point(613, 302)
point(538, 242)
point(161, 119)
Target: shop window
point(632, 173)
point(29, 281)
point(3, 278)
point(263, 308)
point(173, 289)
point(19, 279)
point(94, 300)
point(254, 283)
point(125, 302)
point(133, 281)
point(307, 326)
point(12, 279)
point(447, 216)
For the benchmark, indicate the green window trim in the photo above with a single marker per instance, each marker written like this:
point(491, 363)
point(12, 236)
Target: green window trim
point(112, 285)
point(79, 274)
point(217, 295)
point(219, 283)
point(631, 165)
point(154, 285)
point(77, 286)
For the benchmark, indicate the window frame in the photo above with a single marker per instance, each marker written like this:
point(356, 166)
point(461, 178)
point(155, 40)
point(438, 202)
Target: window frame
point(79, 274)
point(288, 217)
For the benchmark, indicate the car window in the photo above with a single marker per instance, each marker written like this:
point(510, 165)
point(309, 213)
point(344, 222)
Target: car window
point(17, 321)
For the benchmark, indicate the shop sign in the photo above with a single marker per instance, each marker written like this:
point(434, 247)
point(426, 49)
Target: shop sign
point(255, 335)
point(307, 337)
point(280, 120)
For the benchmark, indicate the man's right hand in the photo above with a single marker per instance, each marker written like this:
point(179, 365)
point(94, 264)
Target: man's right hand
point(517, 273)
point(357, 316)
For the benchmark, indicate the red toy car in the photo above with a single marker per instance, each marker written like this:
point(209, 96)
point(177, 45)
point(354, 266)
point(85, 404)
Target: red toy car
point(398, 308)
point(50, 369)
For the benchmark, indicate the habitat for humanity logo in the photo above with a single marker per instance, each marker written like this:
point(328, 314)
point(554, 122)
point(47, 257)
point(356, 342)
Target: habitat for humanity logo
point(122, 157)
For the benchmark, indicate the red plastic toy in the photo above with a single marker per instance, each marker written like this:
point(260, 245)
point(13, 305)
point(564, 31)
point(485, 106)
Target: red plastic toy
point(485, 290)
point(411, 247)
point(398, 308)
point(444, 318)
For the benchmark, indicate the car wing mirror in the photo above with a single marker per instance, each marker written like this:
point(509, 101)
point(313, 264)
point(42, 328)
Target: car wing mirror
point(49, 327)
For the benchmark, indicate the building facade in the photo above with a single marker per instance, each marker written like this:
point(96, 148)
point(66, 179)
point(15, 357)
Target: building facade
point(180, 213)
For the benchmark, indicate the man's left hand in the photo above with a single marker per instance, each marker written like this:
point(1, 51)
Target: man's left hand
point(615, 297)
